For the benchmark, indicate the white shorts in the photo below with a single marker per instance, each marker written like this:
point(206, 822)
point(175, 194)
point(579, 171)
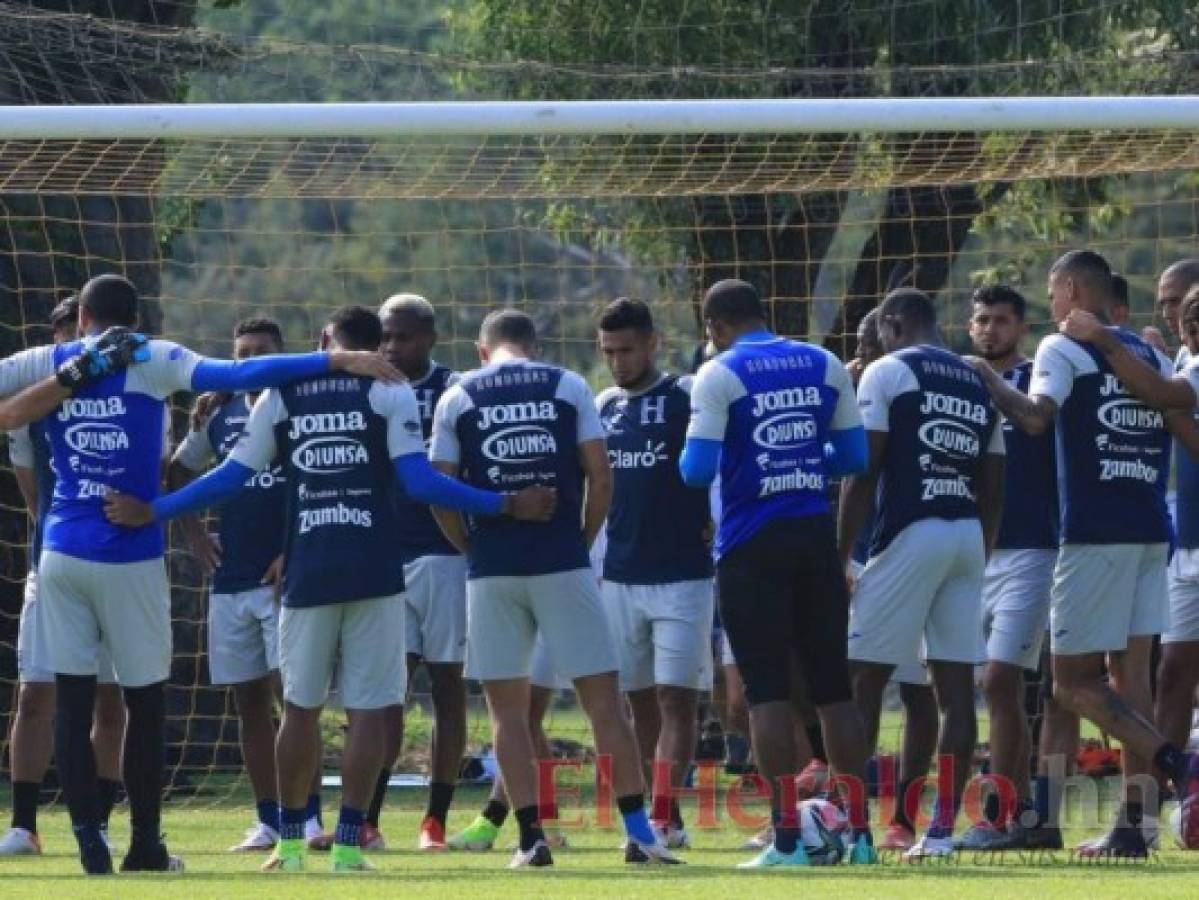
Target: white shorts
point(363, 640)
point(505, 613)
point(86, 608)
point(912, 672)
point(1184, 598)
point(926, 584)
point(541, 669)
point(1016, 605)
point(435, 620)
point(662, 633)
point(31, 649)
point(1103, 594)
point(243, 635)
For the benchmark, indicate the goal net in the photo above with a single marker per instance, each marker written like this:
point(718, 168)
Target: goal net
point(118, 154)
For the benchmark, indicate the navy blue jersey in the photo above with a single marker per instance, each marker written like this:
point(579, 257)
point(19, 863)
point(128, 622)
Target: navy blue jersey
point(507, 426)
point(252, 523)
point(1113, 451)
point(1030, 504)
point(940, 422)
point(336, 437)
point(418, 534)
point(656, 523)
point(772, 403)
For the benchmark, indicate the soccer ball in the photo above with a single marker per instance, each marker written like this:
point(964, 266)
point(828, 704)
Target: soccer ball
point(1184, 824)
point(824, 831)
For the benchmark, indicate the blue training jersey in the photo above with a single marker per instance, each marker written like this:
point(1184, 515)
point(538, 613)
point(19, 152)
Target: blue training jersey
point(509, 425)
point(252, 522)
point(940, 422)
point(1030, 505)
point(1113, 451)
point(418, 533)
point(772, 403)
point(656, 523)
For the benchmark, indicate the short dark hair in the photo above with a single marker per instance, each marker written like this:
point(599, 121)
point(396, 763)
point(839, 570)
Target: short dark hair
point(66, 312)
point(1086, 266)
point(259, 325)
point(1185, 270)
point(110, 300)
point(997, 294)
point(868, 324)
point(357, 328)
point(625, 312)
point(508, 326)
point(733, 302)
point(910, 305)
point(1120, 289)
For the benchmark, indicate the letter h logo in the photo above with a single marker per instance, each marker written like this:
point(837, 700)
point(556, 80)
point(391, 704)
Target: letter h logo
point(653, 410)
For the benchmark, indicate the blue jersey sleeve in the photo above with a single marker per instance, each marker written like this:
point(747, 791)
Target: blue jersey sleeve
point(257, 373)
point(212, 489)
point(699, 461)
point(847, 452)
point(425, 484)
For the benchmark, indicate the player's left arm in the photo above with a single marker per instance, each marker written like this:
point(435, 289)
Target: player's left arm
point(875, 392)
point(847, 451)
point(989, 487)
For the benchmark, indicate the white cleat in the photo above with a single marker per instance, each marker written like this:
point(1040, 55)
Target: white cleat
point(655, 854)
point(673, 838)
point(20, 842)
point(930, 848)
point(259, 838)
point(535, 858)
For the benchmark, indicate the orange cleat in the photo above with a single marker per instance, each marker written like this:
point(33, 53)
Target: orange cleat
point(432, 836)
point(897, 838)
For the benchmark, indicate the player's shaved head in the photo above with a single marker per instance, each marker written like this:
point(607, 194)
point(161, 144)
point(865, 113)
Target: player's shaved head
point(65, 314)
point(733, 302)
point(1087, 269)
point(109, 300)
point(1185, 272)
point(906, 317)
point(508, 326)
point(1174, 283)
point(410, 305)
point(356, 328)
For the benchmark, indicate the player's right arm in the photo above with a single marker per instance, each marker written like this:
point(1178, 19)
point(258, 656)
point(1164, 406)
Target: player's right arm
point(875, 393)
point(714, 391)
point(192, 458)
point(1032, 413)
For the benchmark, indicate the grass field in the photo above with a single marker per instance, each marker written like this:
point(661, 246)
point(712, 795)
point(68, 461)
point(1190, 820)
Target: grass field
point(591, 868)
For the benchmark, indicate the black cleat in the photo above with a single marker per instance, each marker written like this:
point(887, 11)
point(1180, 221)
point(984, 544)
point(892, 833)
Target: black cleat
point(151, 858)
point(1122, 842)
point(94, 854)
point(1043, 837)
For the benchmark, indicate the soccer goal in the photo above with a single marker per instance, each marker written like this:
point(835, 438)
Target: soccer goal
point(221, 211)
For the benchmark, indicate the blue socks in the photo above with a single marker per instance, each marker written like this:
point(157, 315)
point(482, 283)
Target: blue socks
point(291, 824)
point(349, 824)
point(636, 822)
point(268, 813)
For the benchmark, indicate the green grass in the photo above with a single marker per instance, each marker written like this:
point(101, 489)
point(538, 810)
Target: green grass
point(591, 868)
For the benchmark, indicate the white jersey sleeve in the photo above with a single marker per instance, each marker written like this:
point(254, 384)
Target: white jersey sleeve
point(196, 453)
point(883, 381)
point(716, 388)
point(20, 448)
point(167, 371)
point(1057, 363)
point(256, 447)
point(444, 446)
point(1191, 373)
point(28, 367)
point(574, 390)
point(396, 403)
point(846, 415)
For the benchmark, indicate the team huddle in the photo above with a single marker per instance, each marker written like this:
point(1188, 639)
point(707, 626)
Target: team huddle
point(379, 512)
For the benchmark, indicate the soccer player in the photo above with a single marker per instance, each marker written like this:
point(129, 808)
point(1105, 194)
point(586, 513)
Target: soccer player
point(102, 586)
point(517, 421)
point(434, 583)
point(657, 570)
point(1109, 589)
point(762, 414)
point(920, 721)
point(1019, 573)
point(32, 739)
point(936, 463)
point(1121, 308)
point(342, 442)
point(243, 619)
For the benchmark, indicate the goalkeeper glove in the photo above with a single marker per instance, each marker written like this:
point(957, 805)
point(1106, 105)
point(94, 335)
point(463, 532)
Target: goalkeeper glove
point(115, 349)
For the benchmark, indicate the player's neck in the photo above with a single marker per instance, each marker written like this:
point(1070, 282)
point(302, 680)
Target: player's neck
point(506, 353)
point(421, 372)
point(1006, 362)
point(651, 377)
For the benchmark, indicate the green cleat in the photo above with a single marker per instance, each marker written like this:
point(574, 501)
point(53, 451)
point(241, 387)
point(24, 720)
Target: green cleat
point(862, 853)
point(478, 836)
point(770, 858)
point(349, 859)
point(288, 856)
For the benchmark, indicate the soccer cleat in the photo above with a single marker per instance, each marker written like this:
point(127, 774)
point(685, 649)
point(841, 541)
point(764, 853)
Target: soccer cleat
point(476, 837)
point(259, 839)
point(638, 853)
point(151, 858)
point(345, 858)
point(316, 837)
point(290, 859)
point(862, 853)
point(1043, 837)
point(538, 856)
point(898, 837)
point(672, 837)
point(20, 842)
point(981, 837)
point(761, 840)
point(94, 855)
point(929, 847)
point(370, 839)
point(770, 858)
point(432, 836)
point(1122, 842)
